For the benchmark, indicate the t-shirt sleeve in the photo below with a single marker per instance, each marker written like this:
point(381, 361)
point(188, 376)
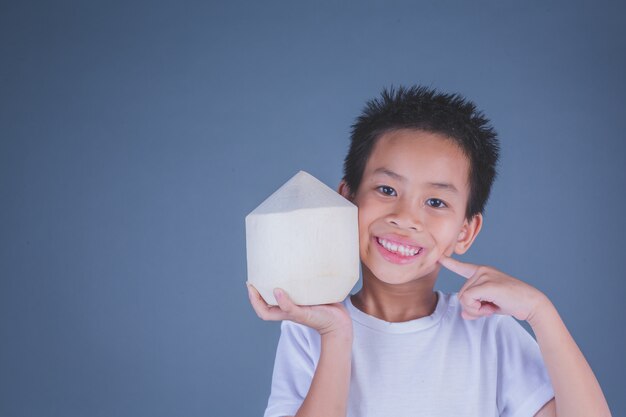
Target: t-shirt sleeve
point(523, 382)
point(296, 359)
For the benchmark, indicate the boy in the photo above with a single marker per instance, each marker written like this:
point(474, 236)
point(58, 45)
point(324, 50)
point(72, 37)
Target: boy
point(420, 168)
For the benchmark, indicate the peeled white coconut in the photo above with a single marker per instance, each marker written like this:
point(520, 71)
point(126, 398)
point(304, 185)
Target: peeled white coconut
point(303, 239)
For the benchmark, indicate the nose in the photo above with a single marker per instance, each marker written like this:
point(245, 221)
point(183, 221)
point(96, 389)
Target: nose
point(406, 215)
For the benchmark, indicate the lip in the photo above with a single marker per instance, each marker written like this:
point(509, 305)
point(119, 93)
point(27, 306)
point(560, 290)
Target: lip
point(397, 258)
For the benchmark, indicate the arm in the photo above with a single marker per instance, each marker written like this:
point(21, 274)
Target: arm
point(576, 389)
point(488, 291)
point(328, 393)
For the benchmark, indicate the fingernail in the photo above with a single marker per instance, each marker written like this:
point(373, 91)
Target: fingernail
point(278, 293)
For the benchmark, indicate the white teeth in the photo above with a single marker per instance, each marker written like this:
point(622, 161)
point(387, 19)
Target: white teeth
point(401, 249)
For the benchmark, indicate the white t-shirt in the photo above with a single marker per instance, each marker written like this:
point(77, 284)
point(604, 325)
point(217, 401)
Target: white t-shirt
point(440, 365)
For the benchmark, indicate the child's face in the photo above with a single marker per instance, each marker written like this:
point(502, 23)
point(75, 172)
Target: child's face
point(412, 202)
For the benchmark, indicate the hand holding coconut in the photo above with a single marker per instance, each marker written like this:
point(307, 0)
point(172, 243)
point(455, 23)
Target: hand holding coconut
point(326, 319)
point(303, 255)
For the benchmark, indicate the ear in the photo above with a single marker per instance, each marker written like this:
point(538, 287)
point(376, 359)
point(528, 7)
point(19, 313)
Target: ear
point(344, 190)
point(468, 233)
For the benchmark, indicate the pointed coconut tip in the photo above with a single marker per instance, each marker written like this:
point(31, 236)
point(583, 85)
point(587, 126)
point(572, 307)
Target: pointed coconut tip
point(302, 191)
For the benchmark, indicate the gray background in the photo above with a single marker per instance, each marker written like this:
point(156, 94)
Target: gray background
point(135, 137)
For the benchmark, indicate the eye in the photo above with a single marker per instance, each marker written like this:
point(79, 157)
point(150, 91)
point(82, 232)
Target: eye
point(385, 189)
point(435, 203)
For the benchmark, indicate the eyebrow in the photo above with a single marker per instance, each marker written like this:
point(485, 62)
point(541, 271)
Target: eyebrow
point(439, 185)
point(444, 186)
point(389, 173)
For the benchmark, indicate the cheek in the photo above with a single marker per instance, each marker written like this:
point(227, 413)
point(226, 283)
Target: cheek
point(367, 218)
point(446, 234)
point(364, 232)
point(367, 215)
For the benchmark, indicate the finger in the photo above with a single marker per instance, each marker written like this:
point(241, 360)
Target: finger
point(470, 312)
point(468, 316)
point(478, 287)
point(470, 283)
point(464, 269)
point(262, 309)
point(284, 301)
point(487, 308)
point(469, 304)
point(471, 315)
point(294, 312)
point(474, 302)
point(477, 310)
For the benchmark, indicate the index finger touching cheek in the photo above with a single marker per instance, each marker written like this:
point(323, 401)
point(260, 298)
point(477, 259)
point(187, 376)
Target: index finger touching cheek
point(466, 270)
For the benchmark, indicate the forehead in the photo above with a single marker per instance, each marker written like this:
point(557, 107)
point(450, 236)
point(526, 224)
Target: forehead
point(420, 156)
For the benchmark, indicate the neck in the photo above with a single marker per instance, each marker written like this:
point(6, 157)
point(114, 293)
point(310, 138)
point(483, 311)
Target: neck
point(396, 302)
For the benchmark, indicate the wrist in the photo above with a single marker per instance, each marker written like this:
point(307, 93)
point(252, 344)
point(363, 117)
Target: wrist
point(338, 334)
point(542, 309)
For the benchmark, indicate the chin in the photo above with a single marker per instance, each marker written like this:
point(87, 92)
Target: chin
point(401, 277)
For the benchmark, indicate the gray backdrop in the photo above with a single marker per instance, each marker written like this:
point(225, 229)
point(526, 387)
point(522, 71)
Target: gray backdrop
point(135, 137)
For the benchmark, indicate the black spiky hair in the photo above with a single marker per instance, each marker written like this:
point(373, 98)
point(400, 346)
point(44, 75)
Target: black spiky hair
point(426, 109)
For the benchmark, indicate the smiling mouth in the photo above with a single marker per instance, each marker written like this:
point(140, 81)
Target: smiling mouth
point(399, 249)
